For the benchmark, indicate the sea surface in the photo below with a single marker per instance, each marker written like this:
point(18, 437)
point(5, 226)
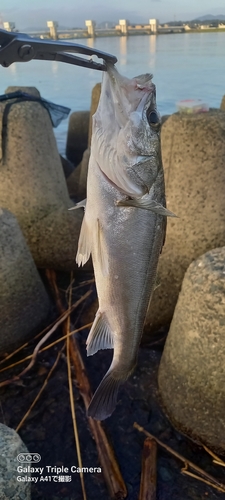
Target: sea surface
point(186, 65)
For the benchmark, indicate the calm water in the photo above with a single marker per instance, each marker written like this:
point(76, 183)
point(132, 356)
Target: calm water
point(189, 65)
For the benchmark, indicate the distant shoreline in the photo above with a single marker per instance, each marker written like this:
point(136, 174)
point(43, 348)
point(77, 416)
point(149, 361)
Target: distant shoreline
point(65, 36)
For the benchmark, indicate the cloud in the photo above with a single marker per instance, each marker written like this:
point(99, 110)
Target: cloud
point(67, 16)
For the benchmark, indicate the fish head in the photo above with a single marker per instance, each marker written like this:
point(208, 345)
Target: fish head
point(135, 110)
point(127, 131)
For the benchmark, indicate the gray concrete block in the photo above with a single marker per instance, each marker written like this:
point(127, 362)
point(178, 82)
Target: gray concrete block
point(33, 186)
point(77, 181)
point(193, 152)
point(77, 136)
point(24, 303)
point(67, 166)
point(222, 105)
point(11, 446)
point(28, 90)
point(192, 368)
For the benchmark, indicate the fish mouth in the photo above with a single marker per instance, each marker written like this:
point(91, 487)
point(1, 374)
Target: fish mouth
point(130, 94)
point(142, 82)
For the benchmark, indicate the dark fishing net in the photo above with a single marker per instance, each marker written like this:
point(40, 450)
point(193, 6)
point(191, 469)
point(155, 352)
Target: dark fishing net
point(56, 112)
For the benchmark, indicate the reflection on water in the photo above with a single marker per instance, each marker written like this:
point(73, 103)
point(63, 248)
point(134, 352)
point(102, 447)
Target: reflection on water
point(123, 50)
point(152, 43)
point(55, 68)
point(13, 70)
point(152, 50)
point(89, 42)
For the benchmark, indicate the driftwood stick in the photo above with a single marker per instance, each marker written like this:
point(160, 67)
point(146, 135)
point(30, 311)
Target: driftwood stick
point(149, 471)
point(40, 392)
point(26, 343)
point(51, 275)
point(46, 347)
point(112, 475)
point(217, 460)
point(113, 478)
point(209, 479)
point(67, 328)
point(42, 341)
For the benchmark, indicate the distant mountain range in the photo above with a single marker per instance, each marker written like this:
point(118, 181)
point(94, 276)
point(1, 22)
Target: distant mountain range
point(209, 17)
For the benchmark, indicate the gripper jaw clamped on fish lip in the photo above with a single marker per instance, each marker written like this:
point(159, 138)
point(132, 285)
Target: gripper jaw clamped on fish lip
point(19, 47)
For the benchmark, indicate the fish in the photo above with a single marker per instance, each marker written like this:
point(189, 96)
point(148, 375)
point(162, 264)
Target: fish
point(124, 223)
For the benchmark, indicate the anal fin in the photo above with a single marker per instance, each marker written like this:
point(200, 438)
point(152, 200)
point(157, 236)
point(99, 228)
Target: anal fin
point(84, 244)
point(100, 336)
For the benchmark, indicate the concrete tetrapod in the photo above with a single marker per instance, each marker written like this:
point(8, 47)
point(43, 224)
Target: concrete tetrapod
point(193, 152)
point(24, 303)
point(77, 181)
point(192, 369)
point(222, 104)
point(33, 186)
point(77, 136)
point(12, 448)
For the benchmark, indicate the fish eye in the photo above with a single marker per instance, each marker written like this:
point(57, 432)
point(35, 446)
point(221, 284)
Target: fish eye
point(153, 119)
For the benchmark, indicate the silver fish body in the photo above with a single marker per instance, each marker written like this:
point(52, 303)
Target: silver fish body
point(124, 224)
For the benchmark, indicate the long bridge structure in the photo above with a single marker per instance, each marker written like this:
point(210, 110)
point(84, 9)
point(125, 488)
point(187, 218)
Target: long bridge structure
point(123, 28)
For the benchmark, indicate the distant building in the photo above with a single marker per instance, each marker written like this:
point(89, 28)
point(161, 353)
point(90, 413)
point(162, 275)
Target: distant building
point(53, 25)
point(124, 23)
point(8, 26)
point(154, 24)
point(90, 27)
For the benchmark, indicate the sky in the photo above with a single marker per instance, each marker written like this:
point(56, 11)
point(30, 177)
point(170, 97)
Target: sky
point(72, 13)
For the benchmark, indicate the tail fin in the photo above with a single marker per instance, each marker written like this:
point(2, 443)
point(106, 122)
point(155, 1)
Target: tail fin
point(104, 400)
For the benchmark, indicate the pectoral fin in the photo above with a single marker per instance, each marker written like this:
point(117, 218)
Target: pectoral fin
point(146, 204)
point(84, 244)
point(81, 204)
point(100, 336)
